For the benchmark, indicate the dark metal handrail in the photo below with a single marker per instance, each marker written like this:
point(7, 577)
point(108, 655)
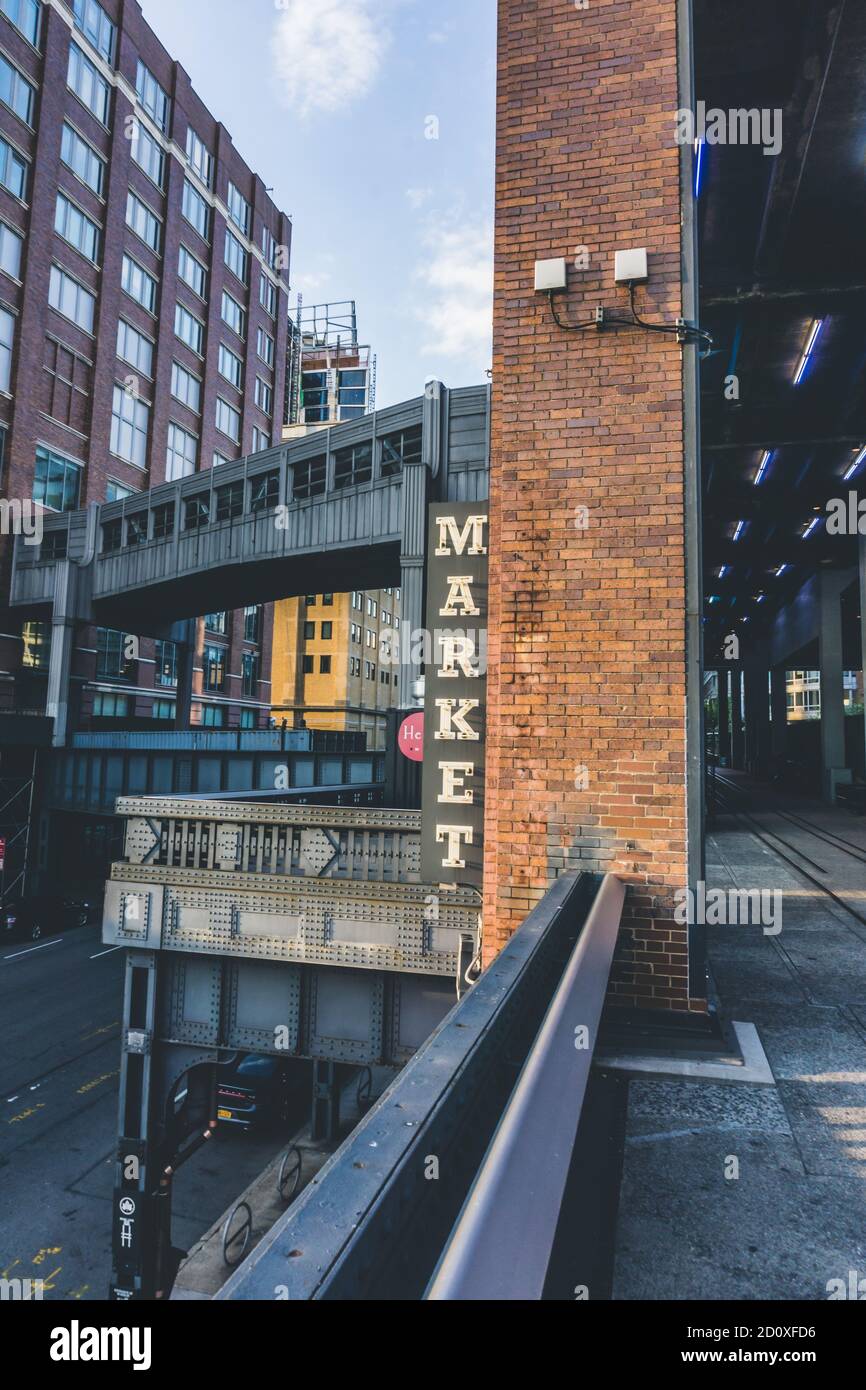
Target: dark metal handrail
point(375, 1220)
point(501, 1245)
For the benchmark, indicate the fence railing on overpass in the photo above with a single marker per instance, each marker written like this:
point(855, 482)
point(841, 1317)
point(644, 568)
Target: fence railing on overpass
point(460, 1143)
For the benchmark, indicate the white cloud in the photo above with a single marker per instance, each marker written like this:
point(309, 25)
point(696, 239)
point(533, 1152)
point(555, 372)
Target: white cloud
point(457, 302)
point(417, 197)
point(327, 53)
point(443, 34)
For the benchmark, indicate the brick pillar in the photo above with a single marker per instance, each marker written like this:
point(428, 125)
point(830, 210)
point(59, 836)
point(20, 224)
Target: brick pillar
point(586, 753)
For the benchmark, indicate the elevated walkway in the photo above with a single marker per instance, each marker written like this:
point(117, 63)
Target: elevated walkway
point(746, 1191)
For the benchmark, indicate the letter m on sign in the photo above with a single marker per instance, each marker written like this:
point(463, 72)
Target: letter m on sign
point(453, 541)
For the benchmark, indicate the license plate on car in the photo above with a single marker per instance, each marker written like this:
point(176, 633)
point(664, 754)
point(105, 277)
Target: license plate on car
point(224, 1114)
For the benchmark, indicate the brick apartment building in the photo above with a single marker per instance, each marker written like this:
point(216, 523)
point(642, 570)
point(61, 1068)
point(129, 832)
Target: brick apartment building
point(143, 321)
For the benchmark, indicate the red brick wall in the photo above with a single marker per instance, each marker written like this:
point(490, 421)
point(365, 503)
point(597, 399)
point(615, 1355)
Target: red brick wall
point(587, 627)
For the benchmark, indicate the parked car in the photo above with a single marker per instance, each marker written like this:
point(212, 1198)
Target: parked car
point(41, 914)
point(257, 1091)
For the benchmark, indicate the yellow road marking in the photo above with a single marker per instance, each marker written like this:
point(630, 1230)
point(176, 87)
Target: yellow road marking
point(97, 1081)
point(46, 1250)
point(107, 1029)
point(25, 1114)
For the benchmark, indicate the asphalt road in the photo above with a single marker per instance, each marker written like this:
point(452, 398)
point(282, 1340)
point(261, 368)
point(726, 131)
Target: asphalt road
point(59, 1057)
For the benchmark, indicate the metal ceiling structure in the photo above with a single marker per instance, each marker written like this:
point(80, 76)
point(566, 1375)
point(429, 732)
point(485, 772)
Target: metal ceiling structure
point(783, 293)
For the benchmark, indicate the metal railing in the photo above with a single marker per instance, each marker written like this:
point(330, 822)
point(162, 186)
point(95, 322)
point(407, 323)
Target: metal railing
point(500, 1247)
point(375, 1223)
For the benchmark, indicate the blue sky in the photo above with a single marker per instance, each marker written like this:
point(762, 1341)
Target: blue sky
point(331, 102)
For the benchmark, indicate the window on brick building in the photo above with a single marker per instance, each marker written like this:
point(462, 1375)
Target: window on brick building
point(212, 716)
point(7, 337)
point(76, 228)
point(24, 14)
point(192, 272)
point(130, 418)
point(86, 81)
point(239, 209)
point(115, 492)
point(111, 660)
point(181, 452)
point(166, 663)
point(143, 221)
point(214, 659)
point(230, 366)
point(188, 328)
point(236, 257)
point(71, 299)
point(268, 295)
point(152, 96)
point(108, 705)
point(228, 419)
point(265, 346)
point(198, 156)
point(15, 91)
point(82, 159)
point(216, 622)
point(250, 673)
point(308, 665)
point(264, 395)
point(186, 386)
point(139, 284)
point(96, 26)
point(56, 480)
point(148, 154)
point(133, 347)
point(253, 623)
point(233, 314)
point(195, 209)
point(10, 251)
point(13, 170)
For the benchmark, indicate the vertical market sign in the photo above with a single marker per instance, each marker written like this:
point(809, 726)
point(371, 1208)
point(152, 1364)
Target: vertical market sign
point(452, 836)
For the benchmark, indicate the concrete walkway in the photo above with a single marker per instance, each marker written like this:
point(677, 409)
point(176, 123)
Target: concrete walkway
point(738, 1191)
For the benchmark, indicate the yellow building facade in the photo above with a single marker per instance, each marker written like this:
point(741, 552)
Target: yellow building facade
point(327, 669)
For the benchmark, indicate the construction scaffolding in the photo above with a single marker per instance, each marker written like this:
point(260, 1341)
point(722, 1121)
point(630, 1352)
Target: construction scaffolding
point(330, 375)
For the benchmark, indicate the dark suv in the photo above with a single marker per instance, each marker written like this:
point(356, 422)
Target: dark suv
point(259, 1091)
point(41, 914)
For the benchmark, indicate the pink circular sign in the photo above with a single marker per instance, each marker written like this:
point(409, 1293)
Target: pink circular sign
point(410, 738)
